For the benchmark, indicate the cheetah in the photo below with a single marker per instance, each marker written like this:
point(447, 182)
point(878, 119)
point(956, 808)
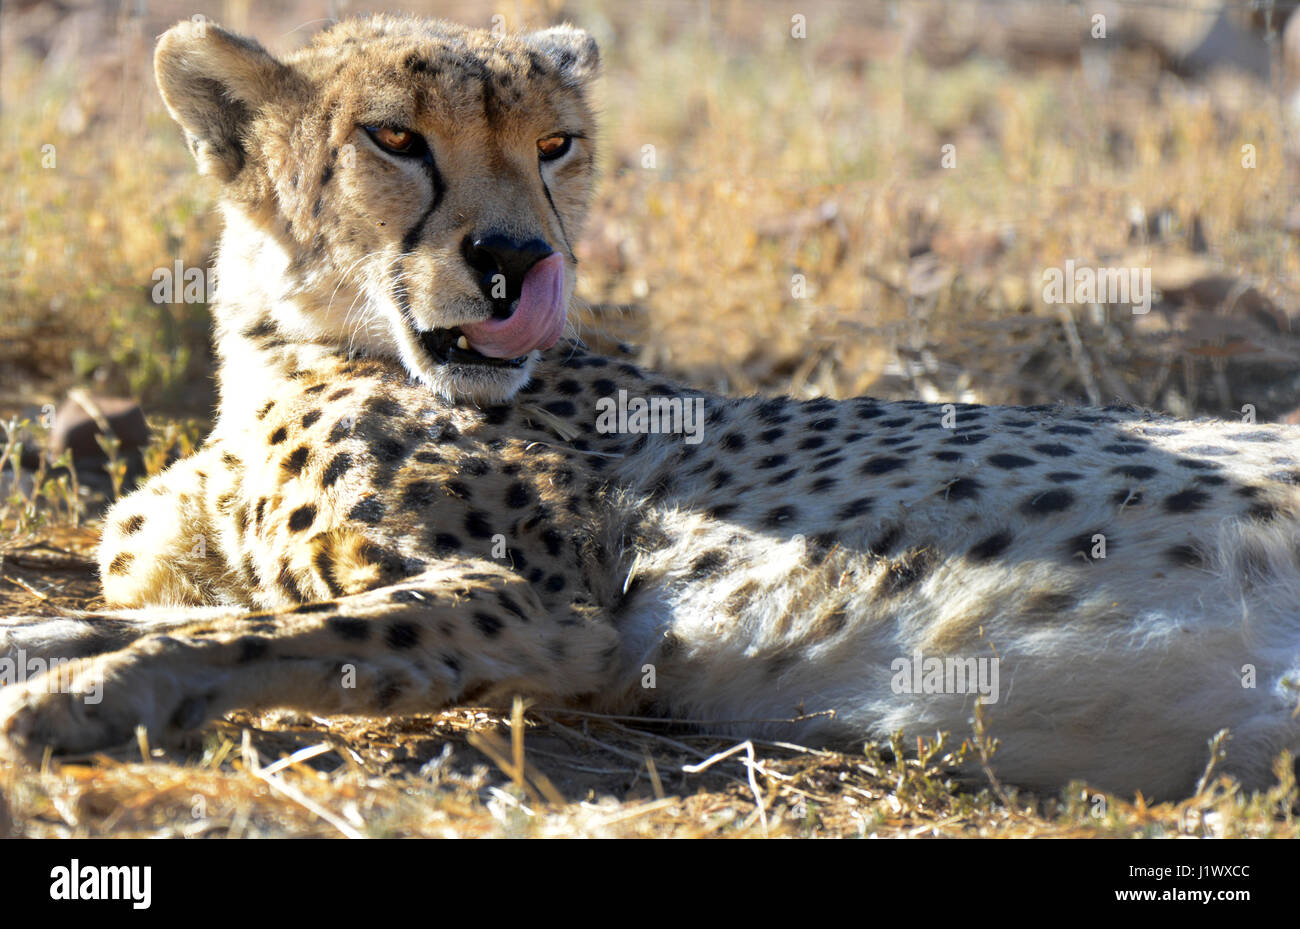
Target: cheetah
point(422, 489)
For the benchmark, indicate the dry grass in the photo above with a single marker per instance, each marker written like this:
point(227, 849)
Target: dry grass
point(797, 233)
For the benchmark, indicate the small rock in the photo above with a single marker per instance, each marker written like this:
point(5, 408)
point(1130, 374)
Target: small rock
point(76, 423)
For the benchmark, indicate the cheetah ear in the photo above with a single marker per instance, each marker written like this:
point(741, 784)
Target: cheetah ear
point(571, 49)
point(213, 82)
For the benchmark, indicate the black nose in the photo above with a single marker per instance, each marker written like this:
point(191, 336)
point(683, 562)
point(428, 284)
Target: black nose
point(501, 263)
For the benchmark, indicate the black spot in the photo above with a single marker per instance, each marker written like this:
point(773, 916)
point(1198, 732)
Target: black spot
point(346, 627)
point(386, 449)
point(1263, 511)
point(773, 410)
point(776, 517)
point(324, 607)
point(1009, 462)
point(1063, 477)
point(132, 525)
point(340, 430)
point(121, 563)
point(444, 543)
point(251, 648)
point(509, 605)
point(885, 544)
point(1127, 497)
point(707, 564)
point(1049, 501)
point(823, 425)
point(1139, 472)
point(1122, 448)
point(855, 508)
point(518, 495)
point(1186, 556)
point(948, 456)
point(964, 488)
point(1069, 430)
point(488, 624)
point(309, 418)
point(770, 461)
point(882, 464)
point(402, 635)
point(477, 525)
point(382, 406)
point(296, 460)
point(733, 441)
point(278, 435)
point(560, 407)
point(302, 518)
point(1054, 449)
point(340, 393)
point(771, 435)
point(991, 547)
point(389, 691)
point(418, 494)
point(554, 542)
point(369, 511)
point(338, 465)
point(555, 583)
point(1186, 501)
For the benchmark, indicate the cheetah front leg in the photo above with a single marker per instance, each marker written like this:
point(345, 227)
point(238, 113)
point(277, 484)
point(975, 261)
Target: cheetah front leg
point(462, 629)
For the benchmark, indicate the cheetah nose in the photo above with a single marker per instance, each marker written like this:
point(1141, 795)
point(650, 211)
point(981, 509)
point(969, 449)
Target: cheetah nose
point(537, 320)
point(502, 263)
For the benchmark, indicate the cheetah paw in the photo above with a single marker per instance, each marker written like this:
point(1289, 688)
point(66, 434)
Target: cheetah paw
point(93, 704)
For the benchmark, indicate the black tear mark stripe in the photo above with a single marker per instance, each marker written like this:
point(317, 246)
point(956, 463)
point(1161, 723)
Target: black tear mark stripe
point(564, 233)
point(439, 189)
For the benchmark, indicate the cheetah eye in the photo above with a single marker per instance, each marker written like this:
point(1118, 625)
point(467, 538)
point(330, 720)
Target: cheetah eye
point(404, 142)
point(553, 146)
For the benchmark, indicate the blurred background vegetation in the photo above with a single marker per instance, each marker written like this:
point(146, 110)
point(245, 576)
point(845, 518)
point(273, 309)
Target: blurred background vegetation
point(797, 230)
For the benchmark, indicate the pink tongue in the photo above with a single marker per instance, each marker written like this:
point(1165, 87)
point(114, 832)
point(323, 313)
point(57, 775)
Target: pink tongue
point(538, 318)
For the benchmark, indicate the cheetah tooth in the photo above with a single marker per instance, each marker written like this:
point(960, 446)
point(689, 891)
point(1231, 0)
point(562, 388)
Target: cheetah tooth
point(462, 342)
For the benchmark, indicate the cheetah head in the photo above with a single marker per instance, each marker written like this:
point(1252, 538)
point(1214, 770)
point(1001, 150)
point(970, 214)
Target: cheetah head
point(400, 187)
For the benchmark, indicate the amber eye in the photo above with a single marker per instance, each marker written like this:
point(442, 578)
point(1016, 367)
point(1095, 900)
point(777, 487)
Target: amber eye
point(553, 146)
point(397, 141)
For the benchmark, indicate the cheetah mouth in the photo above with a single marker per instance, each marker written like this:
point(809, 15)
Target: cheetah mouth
point(536, 320)
point(451, 346)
